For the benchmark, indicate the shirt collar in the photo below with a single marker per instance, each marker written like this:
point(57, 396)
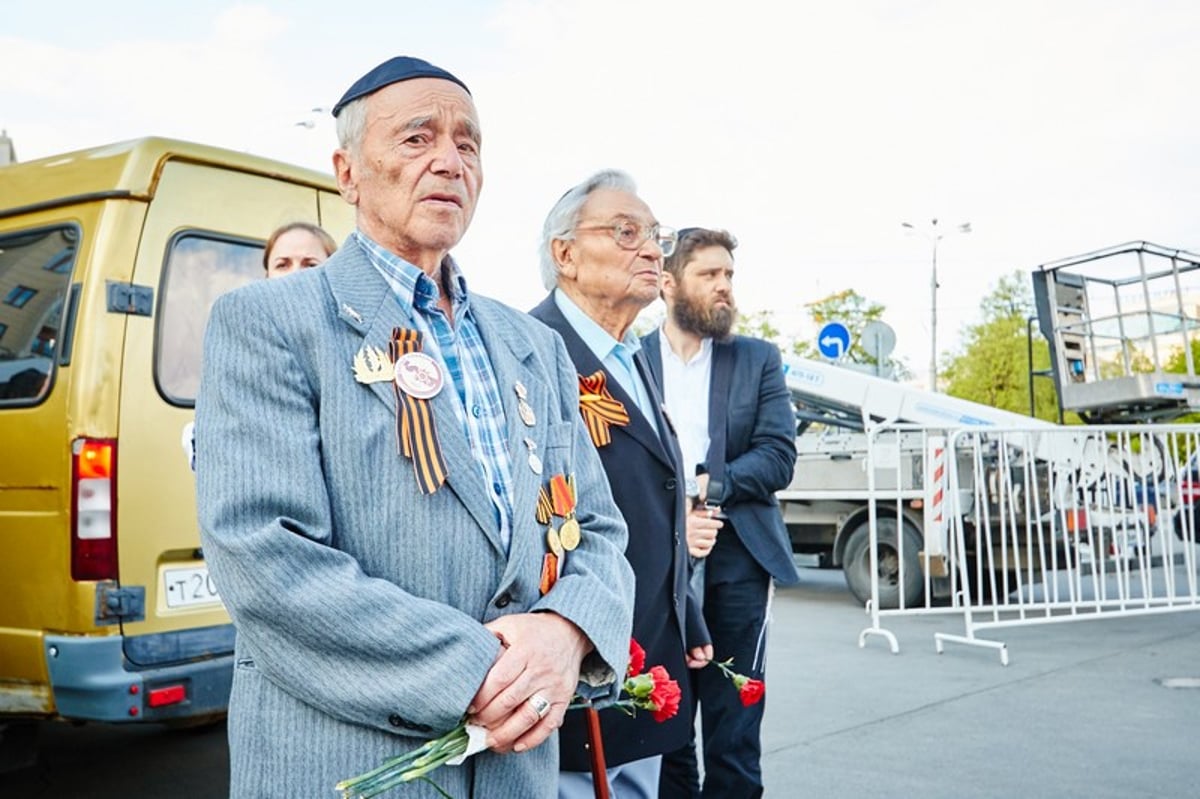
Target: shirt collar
point(412, 287)
point(702, 355)
point(598, 340)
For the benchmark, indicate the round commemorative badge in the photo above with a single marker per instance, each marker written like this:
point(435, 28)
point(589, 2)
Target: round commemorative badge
point(418, 375)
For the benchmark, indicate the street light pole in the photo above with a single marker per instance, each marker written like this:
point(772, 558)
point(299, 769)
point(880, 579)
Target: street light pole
point(933, 236)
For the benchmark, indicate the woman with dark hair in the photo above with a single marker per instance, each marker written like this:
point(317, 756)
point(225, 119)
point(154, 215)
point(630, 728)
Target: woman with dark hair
point(296, 246)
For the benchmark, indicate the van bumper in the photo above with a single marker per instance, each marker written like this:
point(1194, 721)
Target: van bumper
point(93, 681)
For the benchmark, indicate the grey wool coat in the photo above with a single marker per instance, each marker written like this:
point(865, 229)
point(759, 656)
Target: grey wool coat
point(358, 601)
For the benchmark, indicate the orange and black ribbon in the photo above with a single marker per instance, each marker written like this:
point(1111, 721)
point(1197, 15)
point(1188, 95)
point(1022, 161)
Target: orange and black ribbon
point(415, 432)
point(600, 411)
point(562, 494)
point(544, 508)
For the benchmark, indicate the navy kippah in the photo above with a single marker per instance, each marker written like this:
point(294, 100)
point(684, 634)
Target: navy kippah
point(394, 70)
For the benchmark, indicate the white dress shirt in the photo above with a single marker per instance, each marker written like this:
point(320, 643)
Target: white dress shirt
point(685, 393)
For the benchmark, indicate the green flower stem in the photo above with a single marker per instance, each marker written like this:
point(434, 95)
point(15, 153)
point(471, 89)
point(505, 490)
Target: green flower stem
point(407, 767)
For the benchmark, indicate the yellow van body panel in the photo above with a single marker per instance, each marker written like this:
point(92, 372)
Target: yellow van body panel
point(132, 205)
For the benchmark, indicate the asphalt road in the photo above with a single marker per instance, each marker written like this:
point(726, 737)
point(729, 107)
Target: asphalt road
point(1082, 710)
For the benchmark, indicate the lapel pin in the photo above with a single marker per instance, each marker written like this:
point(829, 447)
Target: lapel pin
point(524, 409)
point(371, 365)
point(535, 463)
point(419, 375)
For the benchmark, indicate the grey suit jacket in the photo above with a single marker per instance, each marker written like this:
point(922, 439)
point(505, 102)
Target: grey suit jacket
point(359, 602)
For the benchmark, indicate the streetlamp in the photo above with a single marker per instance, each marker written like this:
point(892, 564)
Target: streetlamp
point(933, 236)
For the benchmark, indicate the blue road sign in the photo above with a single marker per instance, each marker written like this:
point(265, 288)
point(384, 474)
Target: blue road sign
point(833, 341)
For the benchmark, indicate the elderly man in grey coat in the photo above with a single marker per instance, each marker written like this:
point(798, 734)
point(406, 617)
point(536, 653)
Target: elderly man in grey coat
point(374, 444)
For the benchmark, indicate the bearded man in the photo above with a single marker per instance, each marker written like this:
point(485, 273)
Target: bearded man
point(727, 398)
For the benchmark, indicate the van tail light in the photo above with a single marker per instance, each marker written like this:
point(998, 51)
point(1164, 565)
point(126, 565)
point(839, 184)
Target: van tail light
point(94, 509)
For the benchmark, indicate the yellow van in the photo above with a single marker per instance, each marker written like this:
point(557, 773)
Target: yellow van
point(110, 260)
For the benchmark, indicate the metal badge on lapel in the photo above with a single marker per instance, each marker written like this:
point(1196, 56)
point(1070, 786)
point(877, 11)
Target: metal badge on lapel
point(524, 409)
point(535, 463)
point(371, 365)
point(418, 375)
point(415, 431)
point(599, 409)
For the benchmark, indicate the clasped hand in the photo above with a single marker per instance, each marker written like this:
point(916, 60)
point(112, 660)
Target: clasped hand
point(539, 659)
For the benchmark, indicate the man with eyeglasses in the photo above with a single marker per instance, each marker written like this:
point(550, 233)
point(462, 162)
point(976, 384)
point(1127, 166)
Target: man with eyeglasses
point(727, 397)
point(601, 258)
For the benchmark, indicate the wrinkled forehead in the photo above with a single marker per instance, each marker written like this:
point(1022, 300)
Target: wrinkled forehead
point(421, 102)
point(613, 204)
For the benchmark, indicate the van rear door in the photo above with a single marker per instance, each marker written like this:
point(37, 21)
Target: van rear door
point(203, 236)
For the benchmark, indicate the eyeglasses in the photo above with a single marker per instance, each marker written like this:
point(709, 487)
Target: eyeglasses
point(630, 235)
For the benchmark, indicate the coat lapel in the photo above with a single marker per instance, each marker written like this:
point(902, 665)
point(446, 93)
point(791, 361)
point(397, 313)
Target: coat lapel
point(719, 387)
point(652, 348)
point(640, 428)
point(511, 355)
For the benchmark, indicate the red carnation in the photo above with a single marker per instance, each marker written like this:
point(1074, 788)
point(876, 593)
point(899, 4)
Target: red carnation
point(665, 694)
point(637, 658)
point(752, 692)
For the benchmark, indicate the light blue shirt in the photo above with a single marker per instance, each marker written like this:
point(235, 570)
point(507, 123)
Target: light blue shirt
point(459, 348)
point(617, 356)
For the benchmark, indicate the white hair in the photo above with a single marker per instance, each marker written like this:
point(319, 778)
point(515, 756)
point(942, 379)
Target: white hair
point(351, 124)
point(564, 216)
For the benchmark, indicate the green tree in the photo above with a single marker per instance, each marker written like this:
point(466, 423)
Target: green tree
point(760, 324)
point(992, 366)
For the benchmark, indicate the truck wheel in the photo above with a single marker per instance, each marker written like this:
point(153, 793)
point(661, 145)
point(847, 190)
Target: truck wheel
point(856, 563)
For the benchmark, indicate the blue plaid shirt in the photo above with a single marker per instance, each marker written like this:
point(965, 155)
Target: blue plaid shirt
point(460, 349)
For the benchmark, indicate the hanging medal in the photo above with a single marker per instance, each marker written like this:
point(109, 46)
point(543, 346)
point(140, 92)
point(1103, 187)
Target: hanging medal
point(562, 495)
point(524, 409)
point(535, 463)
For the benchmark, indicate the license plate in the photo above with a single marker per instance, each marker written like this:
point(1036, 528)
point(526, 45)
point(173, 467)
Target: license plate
point(185, 588)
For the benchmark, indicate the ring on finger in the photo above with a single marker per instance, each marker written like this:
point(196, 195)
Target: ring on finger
point(540, 705)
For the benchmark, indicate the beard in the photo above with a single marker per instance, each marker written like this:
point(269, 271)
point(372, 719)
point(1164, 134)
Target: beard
point(692, 315)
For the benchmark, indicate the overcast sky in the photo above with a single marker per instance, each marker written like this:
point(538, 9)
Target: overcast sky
point(811, 130)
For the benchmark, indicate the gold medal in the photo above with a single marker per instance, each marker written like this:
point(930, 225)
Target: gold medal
point(553, 541)
point(569, 534)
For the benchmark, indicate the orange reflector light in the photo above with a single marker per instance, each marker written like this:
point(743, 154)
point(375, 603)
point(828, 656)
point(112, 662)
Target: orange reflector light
point(94, 459)
point(170, 695)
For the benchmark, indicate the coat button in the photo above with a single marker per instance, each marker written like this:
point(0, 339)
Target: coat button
point(503, 600)
point(670, 484)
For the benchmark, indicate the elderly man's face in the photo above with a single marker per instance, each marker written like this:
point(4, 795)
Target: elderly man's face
point(416, 176)
point(598, 267)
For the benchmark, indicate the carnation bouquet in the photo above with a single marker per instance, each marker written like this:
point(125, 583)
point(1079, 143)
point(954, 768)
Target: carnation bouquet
point(653, 691)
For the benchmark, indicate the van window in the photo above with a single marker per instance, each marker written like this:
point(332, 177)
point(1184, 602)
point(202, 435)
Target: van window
point(200, 268)
point(35, 273)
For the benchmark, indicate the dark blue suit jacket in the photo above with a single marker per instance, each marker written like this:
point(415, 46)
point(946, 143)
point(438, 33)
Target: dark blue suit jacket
point(643, 466)
point(748, 395)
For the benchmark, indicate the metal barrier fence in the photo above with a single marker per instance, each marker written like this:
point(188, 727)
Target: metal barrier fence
point(1032, 526)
